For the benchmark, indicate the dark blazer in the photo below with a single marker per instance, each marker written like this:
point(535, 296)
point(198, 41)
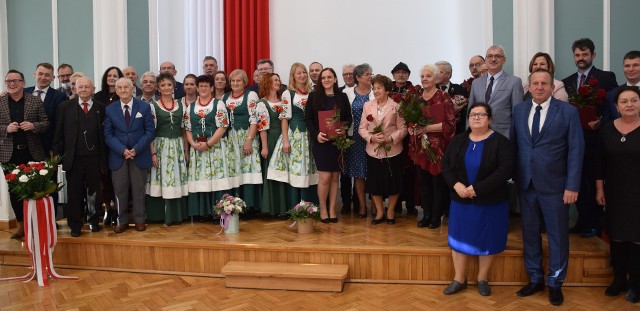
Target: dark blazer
point(34, 113)
point(140, 133)
point(66, 133)
point(456, 89)
point(496, 168)
point(311, 114)
point(554, 161)
point(52, 100)
point(606, 80)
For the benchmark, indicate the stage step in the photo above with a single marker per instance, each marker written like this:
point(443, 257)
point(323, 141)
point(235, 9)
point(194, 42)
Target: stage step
point(289, 276)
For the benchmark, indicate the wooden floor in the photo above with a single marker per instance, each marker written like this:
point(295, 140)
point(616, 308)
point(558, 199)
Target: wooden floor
point(101, 290)
point(400, 253)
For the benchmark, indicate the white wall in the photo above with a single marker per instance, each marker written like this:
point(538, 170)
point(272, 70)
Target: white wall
point(416, 32)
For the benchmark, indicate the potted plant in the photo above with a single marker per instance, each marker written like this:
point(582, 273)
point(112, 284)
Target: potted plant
point(305, 215)
point(229, 209)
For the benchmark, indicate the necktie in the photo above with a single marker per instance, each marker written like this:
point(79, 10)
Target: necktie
point(443, 87)
point(127, 115)
point(582, 78)
point(487, 95)
point(535, 125)
point(85, 107)
point(39, 93)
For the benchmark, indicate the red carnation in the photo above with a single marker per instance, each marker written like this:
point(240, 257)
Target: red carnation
point(592, 82)
point(10, 177)
point(584, 90)
point(397, 97)
point(21, 166)
point(27, 169)
point(370, 118)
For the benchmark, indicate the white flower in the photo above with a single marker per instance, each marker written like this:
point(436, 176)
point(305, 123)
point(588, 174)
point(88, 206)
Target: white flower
point(15, 172)
point(23, 178)
point(44, 172)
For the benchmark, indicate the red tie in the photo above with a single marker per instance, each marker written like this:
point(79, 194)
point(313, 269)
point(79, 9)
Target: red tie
point(85, 107)
point(582, 78)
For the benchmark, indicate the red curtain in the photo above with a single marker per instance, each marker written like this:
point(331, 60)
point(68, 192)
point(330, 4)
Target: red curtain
point(246, 34)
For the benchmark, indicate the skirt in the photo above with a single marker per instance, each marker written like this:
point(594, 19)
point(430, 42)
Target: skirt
point(384, 176)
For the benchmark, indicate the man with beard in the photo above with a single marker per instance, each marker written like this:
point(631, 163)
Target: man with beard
point(589, 212)
point(64, 78)
point(474, 68)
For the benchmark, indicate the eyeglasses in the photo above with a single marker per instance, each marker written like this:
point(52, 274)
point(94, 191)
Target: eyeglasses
point(496, 56)
point(16, 81)
point(347, 74)
point(368, 74)
point(168, 68)
point(475, 65)
point(478, 115)
point(64, 76)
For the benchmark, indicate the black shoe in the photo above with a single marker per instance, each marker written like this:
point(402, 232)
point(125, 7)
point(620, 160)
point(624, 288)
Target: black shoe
point(434, 225)
point(75, 232)
point(391, 221)
point(94, 227)
point(588, 233)
point(555, 295)
point(324, 220)
point(530, 289)
point(632, 296)
point(483, 288)
point(618, 286)
point(455, 287)
point(377, 221)
point(333, 220)
point(424, 222)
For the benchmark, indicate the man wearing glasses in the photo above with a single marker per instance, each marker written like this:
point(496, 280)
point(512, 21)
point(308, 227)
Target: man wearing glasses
point(263, 66)
point(22, 118)
point(64, 78)
point(498, 89)
point(170, 68)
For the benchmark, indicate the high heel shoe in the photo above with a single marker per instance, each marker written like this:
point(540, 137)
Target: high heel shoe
point(377, 221)
point(333, 220)
point(324, 220)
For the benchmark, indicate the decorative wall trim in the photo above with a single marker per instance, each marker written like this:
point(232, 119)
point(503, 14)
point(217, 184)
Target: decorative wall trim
point(54, 36)
point(606, 34)
point(153, 35)
point(110, 36)
point(533, 31)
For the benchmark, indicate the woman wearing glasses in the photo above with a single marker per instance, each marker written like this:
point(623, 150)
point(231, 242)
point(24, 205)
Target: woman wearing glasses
point(476, 167)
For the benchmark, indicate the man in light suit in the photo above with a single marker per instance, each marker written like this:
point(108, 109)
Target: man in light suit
point(589, 213)
point(548, 138)
point(79, 138)
point(128, 132)
point(498, 89)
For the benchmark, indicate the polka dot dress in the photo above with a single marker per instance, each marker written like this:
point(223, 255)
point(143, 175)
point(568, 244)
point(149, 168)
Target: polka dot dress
point(356, 154)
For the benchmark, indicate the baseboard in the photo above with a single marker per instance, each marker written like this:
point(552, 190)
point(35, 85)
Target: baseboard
point(8, 224)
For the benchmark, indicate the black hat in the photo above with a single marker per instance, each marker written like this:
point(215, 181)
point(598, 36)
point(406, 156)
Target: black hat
point(401, 66)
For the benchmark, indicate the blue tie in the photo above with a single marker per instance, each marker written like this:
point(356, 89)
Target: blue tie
point(487, 95)
point(535, 125)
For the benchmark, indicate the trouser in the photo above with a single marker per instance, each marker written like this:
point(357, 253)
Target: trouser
point(433, 195)
point(129, 174)
point(83, 184)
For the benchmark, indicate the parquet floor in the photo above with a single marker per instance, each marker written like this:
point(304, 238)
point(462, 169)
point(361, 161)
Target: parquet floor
point(100, 290)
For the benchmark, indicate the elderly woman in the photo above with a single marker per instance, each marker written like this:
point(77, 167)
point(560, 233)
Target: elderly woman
point(220, 84)
point(617, 171)
point(249, 117)
point(327, 97)
point(356, 164)
point(292, 161)
point(213, 159)
point(167, 187)
point(383, 129)
point(543, 61)
point(438, 109)
point(476, 167)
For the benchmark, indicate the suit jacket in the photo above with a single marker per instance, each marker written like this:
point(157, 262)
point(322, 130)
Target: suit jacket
point(140, 133)
point(455, 89)
point(554, 161)
point(606, 80)
point(507, 93)
point(34, 113)
point(392, 126)
point(52, 100)
point(66, 133)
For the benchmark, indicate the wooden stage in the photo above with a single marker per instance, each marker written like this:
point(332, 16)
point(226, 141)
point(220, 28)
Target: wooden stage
point(400, 253)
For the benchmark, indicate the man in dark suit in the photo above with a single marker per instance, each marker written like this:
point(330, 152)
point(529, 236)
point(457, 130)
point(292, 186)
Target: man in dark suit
point(79, 138)
point(209, 66)
point(443, 82)
point(22, 119)
point(149, 89)
point(128, 132)
point(263, 67)
point(548, 138)
point(170, 68)
point(498, 89)
point(589, 213)
point(631, 69)
point(132, 74)
point(64, 78)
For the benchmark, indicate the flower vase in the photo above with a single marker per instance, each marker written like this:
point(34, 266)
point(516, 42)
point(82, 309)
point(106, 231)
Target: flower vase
point(306, 225)
point(233, 225)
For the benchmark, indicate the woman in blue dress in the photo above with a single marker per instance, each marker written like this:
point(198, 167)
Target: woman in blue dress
point(476, 167)
point(356, 167)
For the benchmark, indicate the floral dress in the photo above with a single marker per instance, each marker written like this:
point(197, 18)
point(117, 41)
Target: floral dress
point(167, 184)
point(216, 169)
point(245, 111)
point(356, 154)
point(298, 167)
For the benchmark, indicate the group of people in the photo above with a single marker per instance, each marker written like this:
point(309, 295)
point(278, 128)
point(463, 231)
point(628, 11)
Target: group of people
point(176, 148)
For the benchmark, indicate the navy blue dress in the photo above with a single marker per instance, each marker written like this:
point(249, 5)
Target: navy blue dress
point(478, 229)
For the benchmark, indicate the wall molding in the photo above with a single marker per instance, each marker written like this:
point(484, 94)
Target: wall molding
point(606, 34)
point(110, 46)
point(533, 31)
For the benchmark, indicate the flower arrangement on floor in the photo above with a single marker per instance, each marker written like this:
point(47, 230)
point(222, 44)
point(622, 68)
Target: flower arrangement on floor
point(227, 207)
point(33, 180)
point(304, 211)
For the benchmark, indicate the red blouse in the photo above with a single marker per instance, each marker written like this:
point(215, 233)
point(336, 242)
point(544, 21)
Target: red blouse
point(438, 109)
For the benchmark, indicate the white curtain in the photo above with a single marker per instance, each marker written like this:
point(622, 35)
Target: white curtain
point(110, 46)
point(184, 32)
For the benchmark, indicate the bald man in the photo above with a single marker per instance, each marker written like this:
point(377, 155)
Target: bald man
point(170, 68)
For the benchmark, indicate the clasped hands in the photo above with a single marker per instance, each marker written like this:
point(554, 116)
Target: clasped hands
point(378, 138)
point(129, 154)
point(463, 191)
point(15, 126)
